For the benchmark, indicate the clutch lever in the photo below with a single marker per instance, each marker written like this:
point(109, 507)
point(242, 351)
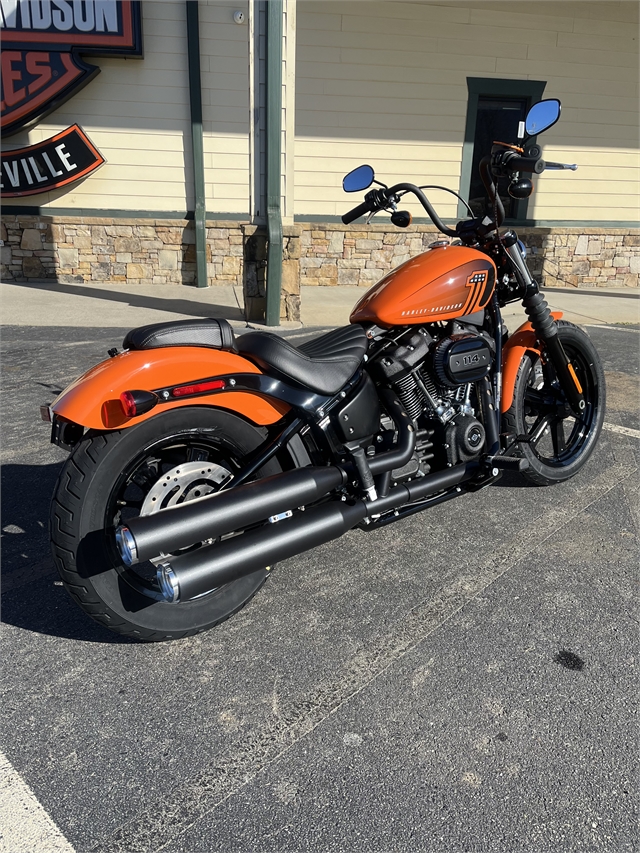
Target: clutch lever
point(391, 204)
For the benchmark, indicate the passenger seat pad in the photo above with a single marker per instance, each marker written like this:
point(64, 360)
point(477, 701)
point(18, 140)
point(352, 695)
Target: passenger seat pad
point(181, 333)
point(323, 364)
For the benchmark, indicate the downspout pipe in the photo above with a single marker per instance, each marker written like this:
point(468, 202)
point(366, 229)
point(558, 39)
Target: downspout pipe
point(274, 161)
point(197, 143)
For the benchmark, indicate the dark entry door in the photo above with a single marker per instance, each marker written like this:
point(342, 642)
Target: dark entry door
point(497, 119)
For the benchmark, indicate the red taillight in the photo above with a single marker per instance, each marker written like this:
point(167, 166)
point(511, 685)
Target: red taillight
point(137, 402)
point(128, 403)
point(198, 388)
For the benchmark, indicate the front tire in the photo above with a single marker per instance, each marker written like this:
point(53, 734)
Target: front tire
point(113, 476)
point(554, 442)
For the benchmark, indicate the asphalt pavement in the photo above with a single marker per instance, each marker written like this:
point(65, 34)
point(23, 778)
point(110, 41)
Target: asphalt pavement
point(463, 680)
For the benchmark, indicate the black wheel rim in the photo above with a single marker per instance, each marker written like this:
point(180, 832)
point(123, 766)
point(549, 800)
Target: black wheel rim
point(137, 479)
point(553, 433)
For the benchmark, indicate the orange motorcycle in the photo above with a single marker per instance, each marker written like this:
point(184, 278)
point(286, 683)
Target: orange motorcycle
point(198, 460)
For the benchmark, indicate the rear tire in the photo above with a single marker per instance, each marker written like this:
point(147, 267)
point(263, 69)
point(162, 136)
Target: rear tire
point(558, 444)
point(107, 479)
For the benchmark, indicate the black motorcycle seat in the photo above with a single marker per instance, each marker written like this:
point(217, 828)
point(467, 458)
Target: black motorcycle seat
point(323, 364)
point(181, 333)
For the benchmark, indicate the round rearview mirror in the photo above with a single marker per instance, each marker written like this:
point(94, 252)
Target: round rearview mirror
point(358, 180)
point(542, 116)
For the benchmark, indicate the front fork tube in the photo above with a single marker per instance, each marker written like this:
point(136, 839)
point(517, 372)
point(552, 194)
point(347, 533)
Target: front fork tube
point(546, 329)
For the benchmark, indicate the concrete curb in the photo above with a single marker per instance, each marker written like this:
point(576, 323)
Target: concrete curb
point(619, 292)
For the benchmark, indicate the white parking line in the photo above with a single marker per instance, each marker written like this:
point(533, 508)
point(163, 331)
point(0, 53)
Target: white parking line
point(25, 827)
point(610, 328)
point(634, 433)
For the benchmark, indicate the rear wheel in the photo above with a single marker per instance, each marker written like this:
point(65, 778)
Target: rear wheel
point(555, 442)
point(113, 477)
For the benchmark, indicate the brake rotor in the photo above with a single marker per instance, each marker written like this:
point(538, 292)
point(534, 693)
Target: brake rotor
point(186, 482)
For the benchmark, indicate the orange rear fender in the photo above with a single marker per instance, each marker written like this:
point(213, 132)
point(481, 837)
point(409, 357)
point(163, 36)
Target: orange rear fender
point(521, 341)
point(93, 400)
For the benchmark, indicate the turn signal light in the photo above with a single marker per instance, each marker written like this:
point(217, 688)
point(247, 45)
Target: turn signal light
point(137, 402)
point(198, 388)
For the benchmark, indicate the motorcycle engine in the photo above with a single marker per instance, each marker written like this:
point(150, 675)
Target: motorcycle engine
point(435, 381)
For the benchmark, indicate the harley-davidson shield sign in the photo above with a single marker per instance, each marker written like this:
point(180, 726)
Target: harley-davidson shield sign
point(42, 43)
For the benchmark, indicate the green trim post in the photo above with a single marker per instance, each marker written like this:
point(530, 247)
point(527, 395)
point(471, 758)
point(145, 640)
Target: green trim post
point(197, 144)
point(530, 89)
point(274, 161)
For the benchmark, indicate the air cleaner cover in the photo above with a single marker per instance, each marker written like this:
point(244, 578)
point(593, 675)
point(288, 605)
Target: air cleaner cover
point(460, 359)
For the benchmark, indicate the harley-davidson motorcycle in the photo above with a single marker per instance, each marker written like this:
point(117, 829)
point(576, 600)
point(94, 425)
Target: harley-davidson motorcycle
point(199, 460)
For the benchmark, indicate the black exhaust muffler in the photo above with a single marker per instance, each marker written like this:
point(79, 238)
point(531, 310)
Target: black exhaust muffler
point(197, 572)
point(192, 574)
point(171, 529)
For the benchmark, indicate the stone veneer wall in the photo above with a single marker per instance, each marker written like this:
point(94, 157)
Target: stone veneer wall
point(559, 257)
point(139, 251)
point(146, 251)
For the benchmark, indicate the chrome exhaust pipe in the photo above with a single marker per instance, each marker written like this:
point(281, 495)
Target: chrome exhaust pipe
point(171, 529)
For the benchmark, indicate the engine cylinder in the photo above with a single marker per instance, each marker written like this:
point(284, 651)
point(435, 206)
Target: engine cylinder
point(407, 390)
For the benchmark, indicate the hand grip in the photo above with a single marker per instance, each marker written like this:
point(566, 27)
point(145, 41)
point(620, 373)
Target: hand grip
point(525, 164)
point(358, 211)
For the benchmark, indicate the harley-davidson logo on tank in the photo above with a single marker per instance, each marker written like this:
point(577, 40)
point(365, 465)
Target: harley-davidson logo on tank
point(42, 43)
point(441, 284)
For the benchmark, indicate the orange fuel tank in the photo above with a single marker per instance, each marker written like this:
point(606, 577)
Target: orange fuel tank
point(441, 284)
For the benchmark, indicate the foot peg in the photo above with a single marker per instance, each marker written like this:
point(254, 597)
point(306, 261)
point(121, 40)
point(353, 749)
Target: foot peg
point(510, 463)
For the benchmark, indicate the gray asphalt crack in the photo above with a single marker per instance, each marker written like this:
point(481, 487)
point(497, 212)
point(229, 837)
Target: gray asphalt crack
point(160, 826)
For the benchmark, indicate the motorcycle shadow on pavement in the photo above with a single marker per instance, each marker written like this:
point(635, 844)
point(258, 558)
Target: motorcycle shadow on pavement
point(33, 597)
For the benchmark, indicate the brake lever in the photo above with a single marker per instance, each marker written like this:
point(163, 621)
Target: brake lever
point(559, 166)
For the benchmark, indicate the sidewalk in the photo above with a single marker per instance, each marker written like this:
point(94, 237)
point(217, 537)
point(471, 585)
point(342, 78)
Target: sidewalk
point(120, 305)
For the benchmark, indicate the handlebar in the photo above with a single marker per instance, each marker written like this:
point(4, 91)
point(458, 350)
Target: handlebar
point(500, 162)
point(490, 187)
point(379, 199)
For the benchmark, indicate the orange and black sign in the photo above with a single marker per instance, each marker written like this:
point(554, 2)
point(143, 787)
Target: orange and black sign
point(51, 164)
point(41, 45)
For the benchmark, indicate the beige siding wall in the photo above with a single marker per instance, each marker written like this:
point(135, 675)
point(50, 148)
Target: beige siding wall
point(224, 50)
point(137, 113)
point(385, 83)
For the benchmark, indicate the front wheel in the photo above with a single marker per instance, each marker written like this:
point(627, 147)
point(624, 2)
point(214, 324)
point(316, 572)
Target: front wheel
point(554, 442)
point(112, 477)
